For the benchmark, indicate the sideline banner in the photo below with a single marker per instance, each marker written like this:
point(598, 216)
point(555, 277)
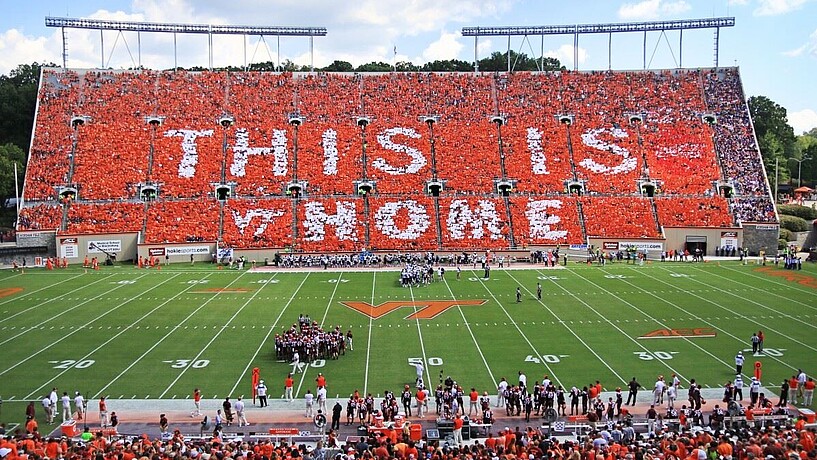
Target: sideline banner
point(69, 248)
point(185, 250)
point(100, 246)
point(642, 245)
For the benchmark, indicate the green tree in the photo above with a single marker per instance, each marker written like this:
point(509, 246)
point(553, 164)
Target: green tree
point(339, 66)
point(18, 98)
point(451, 65)
point(374, 67)
point(405, 66)
point(9, 155)
point(498, 62)
point(774, 135)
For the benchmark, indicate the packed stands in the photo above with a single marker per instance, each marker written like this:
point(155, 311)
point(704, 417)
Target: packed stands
point(113, 148)
point(331, 225)
point(257, 133)
point(471, 222)
point(40, 217)
point(330, 143)
point(535, 142)
point(184, 220)
point(616, 216)
point(693, 212)
point(736, 147)
point(466, 140)
point(545, 221)
point(257, 223)
point(111, 217)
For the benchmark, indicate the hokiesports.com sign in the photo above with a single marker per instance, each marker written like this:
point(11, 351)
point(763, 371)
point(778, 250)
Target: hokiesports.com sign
point(424, 309)
point(186, 250)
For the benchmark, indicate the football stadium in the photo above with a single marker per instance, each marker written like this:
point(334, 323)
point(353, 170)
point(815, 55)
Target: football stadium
point(475, 263)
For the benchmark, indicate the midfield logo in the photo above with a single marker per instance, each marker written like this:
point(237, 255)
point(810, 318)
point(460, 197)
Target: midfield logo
point(690, 332)
point(426, 309)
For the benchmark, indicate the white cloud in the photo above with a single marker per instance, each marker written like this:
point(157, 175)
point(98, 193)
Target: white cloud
point(564, 54)
point(810, 47)
point(16, 48)
point(803, 120)
point(777, 7)
point(737, 2)
point(652, 9)
point(446, 47)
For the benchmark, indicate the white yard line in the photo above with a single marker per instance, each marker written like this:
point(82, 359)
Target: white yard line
point(763, 325)
point(564, 323)
point(788, 299)
point(172, 330)
point(420, 335)
point(81, 288)
point(113, 337)
point(513, 323)
point(789, 287)
point(369, 341)
point(266, 337)
point(70, 333)
point(740, 340)
point(625, 334)
point(14, 299)
point(216, 335)
point(473, 337)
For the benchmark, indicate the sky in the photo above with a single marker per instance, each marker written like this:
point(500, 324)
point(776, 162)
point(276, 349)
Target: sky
point(774, 41)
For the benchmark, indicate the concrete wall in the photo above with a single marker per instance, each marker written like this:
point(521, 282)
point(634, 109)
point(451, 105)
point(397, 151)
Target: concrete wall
point(677, 237)
point(123, 245)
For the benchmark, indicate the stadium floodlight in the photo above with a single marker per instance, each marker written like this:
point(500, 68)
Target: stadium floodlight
point(178, 28)
point(608, 28)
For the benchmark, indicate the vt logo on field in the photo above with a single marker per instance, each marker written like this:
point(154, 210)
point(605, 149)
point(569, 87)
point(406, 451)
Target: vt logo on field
point(427, 309)
point(687, 332)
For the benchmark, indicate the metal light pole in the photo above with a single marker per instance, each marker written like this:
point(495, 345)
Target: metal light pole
point(799, 167)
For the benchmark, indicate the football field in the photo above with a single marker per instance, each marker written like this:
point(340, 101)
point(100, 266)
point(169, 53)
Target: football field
point(150, 334)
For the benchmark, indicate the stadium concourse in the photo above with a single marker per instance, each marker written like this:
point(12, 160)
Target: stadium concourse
point(410, 161)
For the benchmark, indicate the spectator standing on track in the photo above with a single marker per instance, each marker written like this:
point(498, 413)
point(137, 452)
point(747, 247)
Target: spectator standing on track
point(54, 400)
point(754, 390)
point(760, 338)
point(808, 391)
point(197, 403)
point(633, 386)
point(322, 398)
point(309, 399)
point(239, 412)
point(79, 402)
point(261, 392)
point(793, 384)
point(288, 384)
point(163, 422)
point(458, 430)
point(739, 360)
point(801, 383)
point(114, 419)
point(737, 387)
point(336, 411)
point(103, 412)
point(228, 410)
point(500, 397)
point(66, 407)
point(49, 410)
point(784, 394)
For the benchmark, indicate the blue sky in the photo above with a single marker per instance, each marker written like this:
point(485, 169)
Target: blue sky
point(774, 41)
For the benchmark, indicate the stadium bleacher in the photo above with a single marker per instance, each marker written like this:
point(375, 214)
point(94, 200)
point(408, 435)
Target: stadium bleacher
point(503, 148)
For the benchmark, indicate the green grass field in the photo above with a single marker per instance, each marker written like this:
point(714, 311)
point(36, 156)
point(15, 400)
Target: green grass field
point(130, 333)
